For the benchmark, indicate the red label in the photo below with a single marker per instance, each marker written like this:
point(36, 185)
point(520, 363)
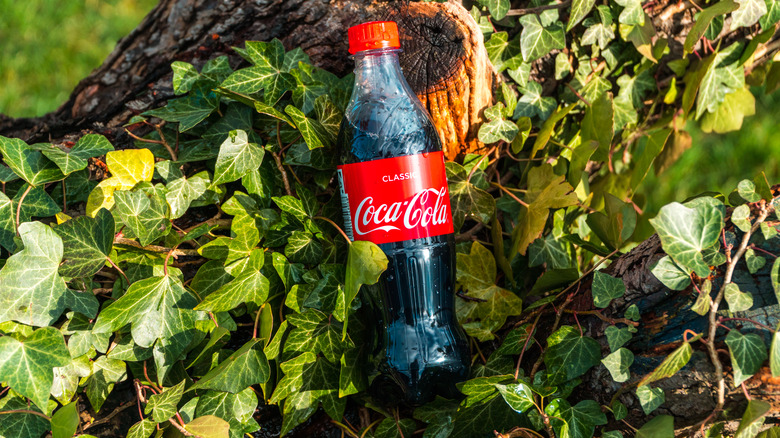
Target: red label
point(396, 199)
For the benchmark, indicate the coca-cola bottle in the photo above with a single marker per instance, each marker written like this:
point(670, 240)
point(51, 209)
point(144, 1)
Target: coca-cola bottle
point(394, 193)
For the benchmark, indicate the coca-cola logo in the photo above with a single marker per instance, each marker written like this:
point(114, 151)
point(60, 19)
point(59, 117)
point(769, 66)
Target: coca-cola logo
point(427, 207)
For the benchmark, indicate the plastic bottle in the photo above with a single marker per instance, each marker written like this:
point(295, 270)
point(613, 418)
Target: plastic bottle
point(394, 193)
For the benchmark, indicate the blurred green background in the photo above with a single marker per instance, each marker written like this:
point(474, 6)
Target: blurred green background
point(47, 46)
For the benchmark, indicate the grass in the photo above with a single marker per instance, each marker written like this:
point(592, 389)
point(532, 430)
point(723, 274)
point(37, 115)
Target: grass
point(47, 46)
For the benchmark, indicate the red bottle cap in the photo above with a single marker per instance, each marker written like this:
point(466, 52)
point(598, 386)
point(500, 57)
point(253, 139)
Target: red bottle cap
point(373, 35)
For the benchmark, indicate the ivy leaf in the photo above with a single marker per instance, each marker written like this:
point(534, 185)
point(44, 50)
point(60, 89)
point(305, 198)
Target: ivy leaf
point(686, 230)
point(21, 424)
point(730, 113)
point(617, 224)
point(365, 263)
point(570, 354)
point(772, 16)
point(579, 9)
point(670, 274)
point(389, 428)
point(606, 288)
point(580, 420)
point(774, 354)
point(28, 163)
point(670, 365)
point(142, 429)
point(748, 352)
point(661, 426)
point(738, 301)
point(484, 410)
point(31, 290)
point(248, 287)
point(748, 13)
point(703, 22)
point(208, 426)
point(641, 36)
point(546, 190)
point(303, 247)
point(86, 244)
point(314, 134)
point(717, 83)
point(75, 158)
point(190, 110)
point(247, 366)
point(497, 128)
point(7, 222)
point(27, 365)
point(532, 103)
point(537, 40)
point(497, 8)
point(146, 215)
point(650, 398)
point(756, 410)
point(182, 191)
point(617, 337)
point(597, 125)
point(754, 262)
point(617, 364)
point(468, 201)
point(598, 33)
point(236, 409)
point(159, 310)
point(476, 273)
point(632, 13)
point(65, 421)
point(128, 167)
point(548, 250)
point(163, 406)
point(702, 304)
point(237, 156)
point(518, 396)
point(740, 217)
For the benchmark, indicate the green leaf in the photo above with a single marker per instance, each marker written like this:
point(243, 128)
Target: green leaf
point(365, 263)
point(142, 429)
point(31, 290)
point(537, 40)
point(86, 243)
point(703, 22)
point(617, 364)
point(570, 354)
point(467, 200)
point(21, 424)
point(617, 337)
point(702, 305)
point(616, 225)
point(756, 409)
point(774, 354)
point(389, 428)
point(748, 352)
point(237, 156)
point(606, 288)
point(518, 396)
point(738, 300)
point(533, 104)
point(686, 230)
point(597, 34)
point(182, 191)
point(495, 48)
point(748, 13)
point(208, 426)
point(619, 410)
point(303, 247)
point(730, 113)
point(579, 9)
point(597, 124)
point(754, 262)
point(26, 366)
point(75, 158)
point(236, 409)
point(159, 310)
point(772, 16)
point(661, 426)
point(741, 217)
point(65, 421)
point(632, 313)
point(670, 274)
point(716, 84)
point(497, 8)
point(190, 110)
point(184, 76)
point(7, 222)
point(650, 398)
point(497, 128)
point(548, 250)
point(476, 273)
point(314, 134)
point(248, 287)
point(28, 163)
point(164, 405)
point(670, 365)
point(773, 432)
point(144, 213)
point(247, 366)
point(647, 151)
point(546, 190)
point(632, 13)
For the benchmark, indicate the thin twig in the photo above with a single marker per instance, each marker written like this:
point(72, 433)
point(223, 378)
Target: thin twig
point(175, 252)
point(537, 10)
point(713, 316)
point(335, 226)
point(525, 345)
point(118, 269)
point(19, 207)
point(602, 317)
point(158, 128)
point(108, 417)
point(257, 320)
point(511, 195)
point(476, 166)
point(278, 160)
point(25, 411)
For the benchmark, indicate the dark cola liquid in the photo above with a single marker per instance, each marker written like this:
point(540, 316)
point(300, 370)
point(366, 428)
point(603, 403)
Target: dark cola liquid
point(423, 350)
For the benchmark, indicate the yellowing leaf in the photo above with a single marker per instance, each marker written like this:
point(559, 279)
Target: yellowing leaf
point(128, 167)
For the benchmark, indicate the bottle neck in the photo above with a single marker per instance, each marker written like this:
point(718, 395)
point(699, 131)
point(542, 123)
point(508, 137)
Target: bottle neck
point(379, 69)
